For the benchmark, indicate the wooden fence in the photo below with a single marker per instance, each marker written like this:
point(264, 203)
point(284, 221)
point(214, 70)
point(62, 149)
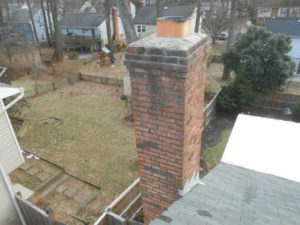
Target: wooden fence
point(34, 215)
point(123, 210)
point(102, 80)
point(277, 101)
point(209, 111)
point(51, 86)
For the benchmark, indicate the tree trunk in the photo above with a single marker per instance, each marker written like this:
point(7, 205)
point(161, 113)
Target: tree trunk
point(45, 23)
point(58, 44)
point(226, 72)
point(289, 9)
point(7, 11)
point(33, 23)
point(127, 21)
point(198, 17)
point(253, 11)
point(159, 8)
point(1, 15)
point(108, 30)
point(49, 20)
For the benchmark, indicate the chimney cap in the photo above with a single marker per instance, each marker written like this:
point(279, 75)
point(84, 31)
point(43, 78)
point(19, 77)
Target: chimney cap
point(175, 18)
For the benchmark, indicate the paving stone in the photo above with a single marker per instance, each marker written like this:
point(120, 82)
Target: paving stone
point(61, 188)
point(25, 166)
point(32, 171)
point(70, 192)
point(43, 176)
point(95, 205)
point(80, 197)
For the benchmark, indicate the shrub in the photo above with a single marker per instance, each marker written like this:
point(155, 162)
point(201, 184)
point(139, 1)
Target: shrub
point(296, 112)
point(237, 97)
point(262, 58)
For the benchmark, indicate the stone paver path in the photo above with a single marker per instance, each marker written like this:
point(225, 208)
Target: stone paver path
point(32, 171)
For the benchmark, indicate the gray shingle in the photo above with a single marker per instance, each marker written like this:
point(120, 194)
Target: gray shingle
point(235, 195)
point(147, 14)
point(84, 20)
point(288, 26)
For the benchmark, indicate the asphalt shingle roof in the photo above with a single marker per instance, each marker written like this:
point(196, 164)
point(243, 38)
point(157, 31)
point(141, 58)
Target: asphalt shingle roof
point(288, 26)
point(147, 14)
point(234, 195)
point(85, 20)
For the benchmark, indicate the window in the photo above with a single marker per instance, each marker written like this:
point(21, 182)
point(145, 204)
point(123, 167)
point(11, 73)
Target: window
point(296, 10)
point(43, 37)
point(265, 10)
point(141, 29)
point(283, 10)
point(84, 30)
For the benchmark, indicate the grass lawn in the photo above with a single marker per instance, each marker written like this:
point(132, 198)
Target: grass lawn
point(214, 80)
point(93, 142)
point(213, 155)
point(218, 47)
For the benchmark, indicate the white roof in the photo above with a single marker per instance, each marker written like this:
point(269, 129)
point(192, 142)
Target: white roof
point(6, 92)
point(265, 145)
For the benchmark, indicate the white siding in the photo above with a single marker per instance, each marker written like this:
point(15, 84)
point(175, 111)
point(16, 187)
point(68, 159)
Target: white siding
point(10, 156)
point(295, 53)
point(8, 212)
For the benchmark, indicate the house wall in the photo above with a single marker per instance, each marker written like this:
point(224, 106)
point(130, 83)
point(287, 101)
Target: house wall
point(10, 156)
point(79, 31)
point(295, 53)
point(40, 25)
point(8, 212)
point(102, 29)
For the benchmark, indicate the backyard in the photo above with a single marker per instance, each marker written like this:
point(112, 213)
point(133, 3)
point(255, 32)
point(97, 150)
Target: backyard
point(83, 128)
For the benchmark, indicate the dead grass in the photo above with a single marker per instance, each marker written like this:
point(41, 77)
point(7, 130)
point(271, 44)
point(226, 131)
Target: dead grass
point(214, 80)
point(218, 47)
point(93, 142)
point(117, 70)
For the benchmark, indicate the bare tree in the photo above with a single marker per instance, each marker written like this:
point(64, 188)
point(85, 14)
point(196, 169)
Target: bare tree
point(1, 15)
point(198, 16)
point(226, 71)
point(159, 8)
point(215, 21)
point(58, 44)
point(49, 18)
point(108, 29)
point(33, 23)
point(5, 2)
point(127, 22)
point(45, 23)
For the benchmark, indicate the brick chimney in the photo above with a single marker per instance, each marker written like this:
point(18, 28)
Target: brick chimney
point(116, 24)
point(167, 81)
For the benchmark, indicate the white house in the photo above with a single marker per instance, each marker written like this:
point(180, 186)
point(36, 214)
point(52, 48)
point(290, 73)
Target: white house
point(291, 28)
point(145, 19)
point(10, 158)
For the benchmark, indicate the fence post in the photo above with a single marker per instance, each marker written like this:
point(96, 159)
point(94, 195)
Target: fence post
point(52, 215)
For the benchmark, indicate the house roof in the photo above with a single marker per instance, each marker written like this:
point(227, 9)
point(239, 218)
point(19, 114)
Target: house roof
point(84, 20)
point(257, 181)
point(288, 26)
point(147, 14)
point(8, 91)
point(235, 195)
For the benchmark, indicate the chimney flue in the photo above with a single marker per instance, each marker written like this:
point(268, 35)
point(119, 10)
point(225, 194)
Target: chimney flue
point(173, 26)
point(167, 83)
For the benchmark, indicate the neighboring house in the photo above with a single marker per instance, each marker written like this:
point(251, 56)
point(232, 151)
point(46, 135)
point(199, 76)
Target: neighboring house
point(270, 10)
point(145, 19)
point(22, 24)
point(257, 181)
point(90, 26)
point(291, 28)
